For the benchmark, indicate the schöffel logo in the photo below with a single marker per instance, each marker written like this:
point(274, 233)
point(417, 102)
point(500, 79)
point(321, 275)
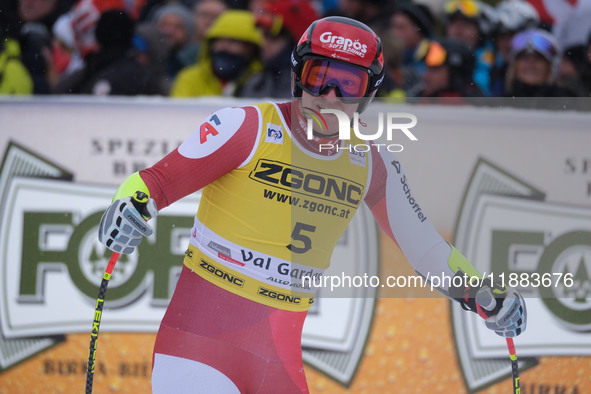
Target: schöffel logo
point(279, 296)
point(308, 182)
point(274, 134)
point(316, 120)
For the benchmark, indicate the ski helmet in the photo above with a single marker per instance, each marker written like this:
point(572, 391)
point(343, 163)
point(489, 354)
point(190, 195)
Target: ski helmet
point(516, 15)
point(535, 41)
point(338, 46)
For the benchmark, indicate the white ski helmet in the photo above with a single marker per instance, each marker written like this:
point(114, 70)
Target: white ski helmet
point(516, 15)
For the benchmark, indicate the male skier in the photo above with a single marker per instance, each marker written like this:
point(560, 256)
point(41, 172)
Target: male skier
point(235, 320)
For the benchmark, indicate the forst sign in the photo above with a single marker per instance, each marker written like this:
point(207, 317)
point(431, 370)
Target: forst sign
point(388, 123)
point(84, 260)
point(53, 259)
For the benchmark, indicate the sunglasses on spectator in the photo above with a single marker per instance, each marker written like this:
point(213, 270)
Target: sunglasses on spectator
point(351, 83)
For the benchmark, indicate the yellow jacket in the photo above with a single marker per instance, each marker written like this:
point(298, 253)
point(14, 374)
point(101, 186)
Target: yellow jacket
point(199, 79)
point(14, 77)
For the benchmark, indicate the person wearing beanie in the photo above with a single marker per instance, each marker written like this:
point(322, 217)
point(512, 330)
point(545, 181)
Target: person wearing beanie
point(112, 68)
point(229, 56)
point(413, 24)
point(282, 23)
point(176, 21)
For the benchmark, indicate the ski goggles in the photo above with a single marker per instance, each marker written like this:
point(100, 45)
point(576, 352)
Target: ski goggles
point(436, 55)
point(534, 41)
point(351, 83)
point(467, 8)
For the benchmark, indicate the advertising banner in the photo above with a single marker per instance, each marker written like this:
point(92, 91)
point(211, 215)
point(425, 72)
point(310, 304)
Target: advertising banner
point(510, 188)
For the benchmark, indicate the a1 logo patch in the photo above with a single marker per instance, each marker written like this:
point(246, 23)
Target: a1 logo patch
point(213, 133)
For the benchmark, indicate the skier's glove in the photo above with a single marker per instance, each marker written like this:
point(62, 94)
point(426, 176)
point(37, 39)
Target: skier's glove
point(505, 313)
point(502, 308)
point(123, 224)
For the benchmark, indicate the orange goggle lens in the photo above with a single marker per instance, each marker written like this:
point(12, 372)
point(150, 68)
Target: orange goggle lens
point(319, 74)
point(436, 55)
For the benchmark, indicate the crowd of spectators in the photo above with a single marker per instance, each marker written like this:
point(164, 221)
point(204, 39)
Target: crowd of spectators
point(190, 48)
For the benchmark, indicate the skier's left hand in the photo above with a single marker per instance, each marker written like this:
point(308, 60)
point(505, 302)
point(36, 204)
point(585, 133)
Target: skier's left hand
point(503, 308)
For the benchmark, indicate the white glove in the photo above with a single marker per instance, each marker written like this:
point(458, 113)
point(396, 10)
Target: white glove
point(505, 315)
point(123, 224)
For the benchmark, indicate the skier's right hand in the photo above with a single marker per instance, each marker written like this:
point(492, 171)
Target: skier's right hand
point(123, 224)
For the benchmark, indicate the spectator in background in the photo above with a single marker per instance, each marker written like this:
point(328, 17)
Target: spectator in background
point(41, 11)
point(14, 76)
point(37, 18)
point(230, 56)
point(151, 47)
point(83, 18)
point(65, 55)
point(471, 22)
point(35, 43)
point(531, 70)
point(205, 12)
point(513, 16)
point(396, 77)
point(176, 21)
point(586, 73)
point(450, 66)
point(112, 68)
point(571, 70)
point(369, 12)
point(413, 25)
point(283, 23)
point(85, 15)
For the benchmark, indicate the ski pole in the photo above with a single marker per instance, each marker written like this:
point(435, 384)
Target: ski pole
point(139, 201)
point(514, 366)
point(510, 346)
point(97, 321)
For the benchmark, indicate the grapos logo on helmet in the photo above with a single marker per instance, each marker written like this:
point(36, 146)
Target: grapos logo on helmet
point(343, 44)
point(392, 120)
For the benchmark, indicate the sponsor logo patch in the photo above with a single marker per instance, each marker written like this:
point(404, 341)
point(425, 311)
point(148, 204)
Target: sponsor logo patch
point(274, 134)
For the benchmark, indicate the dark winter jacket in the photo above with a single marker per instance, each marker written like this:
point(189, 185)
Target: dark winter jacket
point(111, 72)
